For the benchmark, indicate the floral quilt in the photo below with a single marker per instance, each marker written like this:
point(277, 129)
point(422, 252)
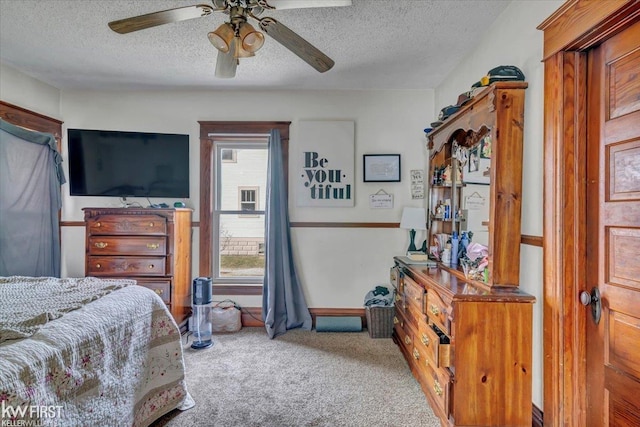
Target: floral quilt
point(116, 361)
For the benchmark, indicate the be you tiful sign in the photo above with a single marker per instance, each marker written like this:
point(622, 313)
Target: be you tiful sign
point(324, 164)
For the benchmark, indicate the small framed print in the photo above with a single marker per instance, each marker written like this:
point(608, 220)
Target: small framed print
point(485, 147)
point(474, 159)
point(381, 167)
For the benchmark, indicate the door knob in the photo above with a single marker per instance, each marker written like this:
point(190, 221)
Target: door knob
point(592, 299)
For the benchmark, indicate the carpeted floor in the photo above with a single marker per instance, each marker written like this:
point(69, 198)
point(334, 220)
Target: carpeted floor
point(302, 378)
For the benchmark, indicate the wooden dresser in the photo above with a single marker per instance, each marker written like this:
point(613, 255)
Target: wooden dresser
point(469, 346)
point(152, 246)
point(467, 332)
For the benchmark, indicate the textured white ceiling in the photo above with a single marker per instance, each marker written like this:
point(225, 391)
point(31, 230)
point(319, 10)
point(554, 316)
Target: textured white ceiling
point(376, 44)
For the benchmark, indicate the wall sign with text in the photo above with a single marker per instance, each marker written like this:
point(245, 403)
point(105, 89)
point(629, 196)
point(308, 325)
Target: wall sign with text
point(324, 164)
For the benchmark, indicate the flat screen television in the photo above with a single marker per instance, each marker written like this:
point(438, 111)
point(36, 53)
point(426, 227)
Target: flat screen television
point(128, 164)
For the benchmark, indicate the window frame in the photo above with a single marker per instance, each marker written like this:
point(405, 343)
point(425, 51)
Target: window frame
point(209, 129)
point(221, 143)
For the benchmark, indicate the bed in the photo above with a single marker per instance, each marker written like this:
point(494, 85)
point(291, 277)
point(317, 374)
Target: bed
point(87, 351)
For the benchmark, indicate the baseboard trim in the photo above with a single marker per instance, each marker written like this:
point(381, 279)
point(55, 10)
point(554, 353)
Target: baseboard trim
point(250, 315)
point(538, 420)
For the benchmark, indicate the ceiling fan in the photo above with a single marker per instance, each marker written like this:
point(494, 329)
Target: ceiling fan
point(236, 38)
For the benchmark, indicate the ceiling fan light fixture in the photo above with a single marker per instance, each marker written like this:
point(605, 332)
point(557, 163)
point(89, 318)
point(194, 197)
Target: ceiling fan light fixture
point(222, 37)
point(239, 51)
point(252, 40)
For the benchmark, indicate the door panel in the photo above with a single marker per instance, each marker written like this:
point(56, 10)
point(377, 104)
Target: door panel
point(613, 228)
point(624, 186)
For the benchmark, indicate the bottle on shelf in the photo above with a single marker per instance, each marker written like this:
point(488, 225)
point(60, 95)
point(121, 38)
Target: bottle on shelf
point(454, 248)
point(464, 242)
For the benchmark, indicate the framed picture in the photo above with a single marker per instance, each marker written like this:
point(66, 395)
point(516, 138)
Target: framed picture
point(485, 147)
point(474, 159)
point(381, 167)
point(478, 166)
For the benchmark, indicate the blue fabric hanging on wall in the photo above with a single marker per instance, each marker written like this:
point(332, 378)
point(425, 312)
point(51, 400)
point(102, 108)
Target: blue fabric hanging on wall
point(30, 179)
point(283, 303)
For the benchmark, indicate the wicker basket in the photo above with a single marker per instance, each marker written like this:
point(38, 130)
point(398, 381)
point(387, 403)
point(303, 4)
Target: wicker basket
point(380, 321)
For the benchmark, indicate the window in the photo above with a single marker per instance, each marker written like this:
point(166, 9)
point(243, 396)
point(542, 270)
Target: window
point(238, 221)
point(248, 200)
point(228, 155)
point(211, 131)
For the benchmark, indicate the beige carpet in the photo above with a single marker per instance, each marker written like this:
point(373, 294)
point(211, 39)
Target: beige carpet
point(301, 379)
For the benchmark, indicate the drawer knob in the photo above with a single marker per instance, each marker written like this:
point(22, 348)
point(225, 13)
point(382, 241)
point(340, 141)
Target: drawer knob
point(100, 245)
point(151, 224)
point(159, 291)
point(437, 387)
point(407, 340)
point(153, 245)
point(98, 224)
point(98, 266)
point(416, 354)
point(425, 340)
point(151, 266)
point(434, 310)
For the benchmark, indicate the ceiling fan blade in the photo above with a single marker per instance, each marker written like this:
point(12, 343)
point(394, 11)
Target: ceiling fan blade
point(299, 4)
point(226, 64)
point(136, 23)
point(296, 44)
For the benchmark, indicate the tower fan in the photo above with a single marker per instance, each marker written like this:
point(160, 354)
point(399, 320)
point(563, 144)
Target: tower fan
point(202, 313)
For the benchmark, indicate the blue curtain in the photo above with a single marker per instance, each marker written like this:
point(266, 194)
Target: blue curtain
point(283, 303)
point(30, 179)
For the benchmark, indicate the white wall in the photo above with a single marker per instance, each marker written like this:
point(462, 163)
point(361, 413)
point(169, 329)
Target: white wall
point(26, 92)
point(514, 40)
point(337, 266)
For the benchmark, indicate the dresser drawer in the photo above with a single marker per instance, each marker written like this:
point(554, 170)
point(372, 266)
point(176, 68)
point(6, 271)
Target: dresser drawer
point(438, 385)
point(127, 245)
point(436, 349)
point(414, 314)
point(414, 293)
point(398, 318)
point(404, 340)
point(438, 311)
point(393, 276)
point(160, 287)
point(399, 299)
point(125, 266)
point(122, 224)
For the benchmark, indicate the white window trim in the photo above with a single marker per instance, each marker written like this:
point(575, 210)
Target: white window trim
point(221, 142)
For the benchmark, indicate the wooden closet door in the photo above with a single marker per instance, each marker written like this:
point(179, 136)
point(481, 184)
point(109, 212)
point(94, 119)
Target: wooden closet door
point(613, 227)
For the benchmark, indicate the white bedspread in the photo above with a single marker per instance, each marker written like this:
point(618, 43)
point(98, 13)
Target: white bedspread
point(114, 362)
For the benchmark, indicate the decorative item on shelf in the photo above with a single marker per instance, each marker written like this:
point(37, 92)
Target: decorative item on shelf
point(446, 176)
point(454, 248)
point(439, 211)
point(413, 219)
point(447, 111)
point(502, 73)
point(475, 261)
point(417, 256)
